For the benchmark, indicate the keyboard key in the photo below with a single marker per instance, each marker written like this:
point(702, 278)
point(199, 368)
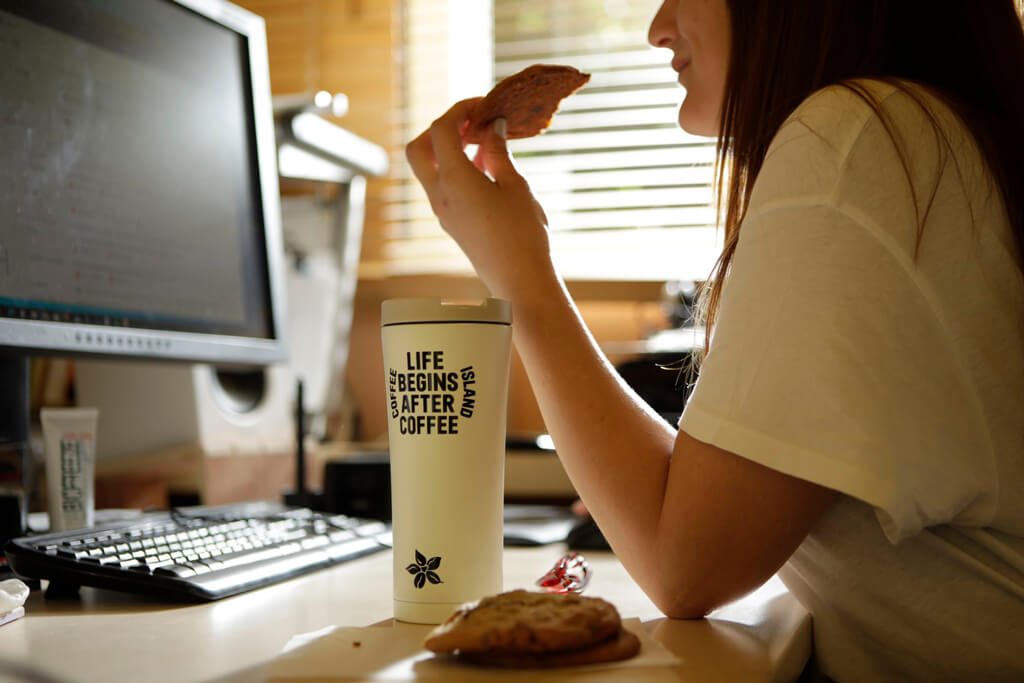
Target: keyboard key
point(371, 529)
point(176, 570)
point(314, 542)
point(342, 521)
point(341, 536)
point(249, 557)
point(352, 548)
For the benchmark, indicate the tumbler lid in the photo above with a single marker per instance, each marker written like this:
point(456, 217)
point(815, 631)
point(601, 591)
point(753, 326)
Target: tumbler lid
point(434, 310)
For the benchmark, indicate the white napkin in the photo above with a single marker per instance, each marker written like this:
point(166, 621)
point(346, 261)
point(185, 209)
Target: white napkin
point(13, 594)
point(395, 653)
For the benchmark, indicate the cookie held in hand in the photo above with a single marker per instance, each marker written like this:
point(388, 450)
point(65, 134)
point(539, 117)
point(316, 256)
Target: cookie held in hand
point(521, 621)
point(526, 100)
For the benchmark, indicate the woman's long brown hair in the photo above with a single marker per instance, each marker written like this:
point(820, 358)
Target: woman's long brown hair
point(969, 52)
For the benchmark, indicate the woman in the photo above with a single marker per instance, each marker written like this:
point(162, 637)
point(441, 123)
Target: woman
point(858, 423)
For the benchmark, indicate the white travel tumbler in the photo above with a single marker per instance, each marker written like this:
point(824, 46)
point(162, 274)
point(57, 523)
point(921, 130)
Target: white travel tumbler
point(446, 372)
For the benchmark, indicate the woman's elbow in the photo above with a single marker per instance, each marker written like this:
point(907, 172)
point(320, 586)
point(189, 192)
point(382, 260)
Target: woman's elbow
point(684, 607)
point(691, 590)
point(678, 599)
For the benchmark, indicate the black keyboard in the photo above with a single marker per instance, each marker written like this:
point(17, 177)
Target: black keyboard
point(198, 553)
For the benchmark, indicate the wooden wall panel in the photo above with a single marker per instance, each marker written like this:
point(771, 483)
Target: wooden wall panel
point(346, 46)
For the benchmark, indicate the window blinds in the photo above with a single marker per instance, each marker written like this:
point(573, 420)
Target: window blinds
point(627, 193)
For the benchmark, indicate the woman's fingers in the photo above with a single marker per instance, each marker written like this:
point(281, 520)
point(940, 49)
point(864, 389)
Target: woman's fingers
point(440, 146)
point(498, 128)
point(420, 155)
point(493, 157)
point(446, 138)
point(439, 152)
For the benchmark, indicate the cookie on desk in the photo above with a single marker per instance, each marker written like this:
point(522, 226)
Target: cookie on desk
point(520, 622)
point(527, 100)
point(622, 645)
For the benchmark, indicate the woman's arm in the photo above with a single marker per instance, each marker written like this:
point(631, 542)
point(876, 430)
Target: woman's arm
point(694, 525)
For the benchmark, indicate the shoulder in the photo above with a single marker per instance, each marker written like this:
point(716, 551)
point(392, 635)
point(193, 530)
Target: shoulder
point(841, 112)
point(839, 116)
point(863, 131)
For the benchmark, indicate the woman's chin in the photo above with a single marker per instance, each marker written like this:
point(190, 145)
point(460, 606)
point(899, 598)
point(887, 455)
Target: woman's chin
point(696, 123)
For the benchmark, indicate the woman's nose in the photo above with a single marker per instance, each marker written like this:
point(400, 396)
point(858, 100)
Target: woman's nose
point(663, 26)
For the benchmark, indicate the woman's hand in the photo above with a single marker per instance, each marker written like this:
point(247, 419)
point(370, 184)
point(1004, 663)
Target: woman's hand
point(484, 204)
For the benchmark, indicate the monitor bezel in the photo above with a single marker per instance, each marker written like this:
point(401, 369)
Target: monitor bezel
point(37, 337)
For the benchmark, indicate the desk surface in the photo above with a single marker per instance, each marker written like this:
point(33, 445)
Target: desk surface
point(110, 636)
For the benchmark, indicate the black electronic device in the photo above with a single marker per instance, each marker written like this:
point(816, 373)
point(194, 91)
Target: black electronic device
point(197, 553)
point(586, 535)
point(360, 485)
point(138, 182)
point(138, 189)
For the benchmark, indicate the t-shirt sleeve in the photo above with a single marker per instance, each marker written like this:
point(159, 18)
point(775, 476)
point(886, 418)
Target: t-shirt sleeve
point(829, 360)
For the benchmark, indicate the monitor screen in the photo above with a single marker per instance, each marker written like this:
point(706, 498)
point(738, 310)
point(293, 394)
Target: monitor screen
point(138, 190)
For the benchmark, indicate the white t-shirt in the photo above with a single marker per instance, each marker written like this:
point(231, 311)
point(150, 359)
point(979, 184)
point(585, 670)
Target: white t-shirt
point(857, 353)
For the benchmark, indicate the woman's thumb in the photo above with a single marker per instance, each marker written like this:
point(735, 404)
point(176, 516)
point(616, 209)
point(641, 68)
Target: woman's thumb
point(494, 152)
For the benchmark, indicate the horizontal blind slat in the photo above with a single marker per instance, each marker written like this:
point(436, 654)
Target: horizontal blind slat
point(594, 100)
point(559, 200)
point(613, 118)
point(644, 158)
point(596, 61)
point(569, 14)
point(550, 182)
point(675, 217)
point(628, 78)
point(640, 177)
point(697, 156)
point(623, 138)
point(633, 218)
point(641, 255)
point(562, 46)
point(622, 219)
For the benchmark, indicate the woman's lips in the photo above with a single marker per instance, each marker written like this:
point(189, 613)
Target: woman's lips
point(680, 64)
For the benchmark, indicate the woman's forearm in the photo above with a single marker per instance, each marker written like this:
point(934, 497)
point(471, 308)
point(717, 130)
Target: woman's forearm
point(615, 449)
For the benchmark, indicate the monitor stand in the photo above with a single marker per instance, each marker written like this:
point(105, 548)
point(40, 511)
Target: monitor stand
point(14, 400)
point(15, 449)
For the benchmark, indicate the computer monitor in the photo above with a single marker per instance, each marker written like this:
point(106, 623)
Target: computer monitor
point(139, 207)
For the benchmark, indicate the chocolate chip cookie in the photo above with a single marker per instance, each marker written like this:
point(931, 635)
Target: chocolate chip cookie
point(526, 100)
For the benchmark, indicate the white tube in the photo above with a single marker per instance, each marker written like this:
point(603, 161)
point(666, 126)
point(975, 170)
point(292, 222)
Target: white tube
point(70, 438)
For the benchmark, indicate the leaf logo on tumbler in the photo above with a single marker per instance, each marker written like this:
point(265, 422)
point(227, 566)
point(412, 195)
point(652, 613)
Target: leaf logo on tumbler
point(423, 570)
